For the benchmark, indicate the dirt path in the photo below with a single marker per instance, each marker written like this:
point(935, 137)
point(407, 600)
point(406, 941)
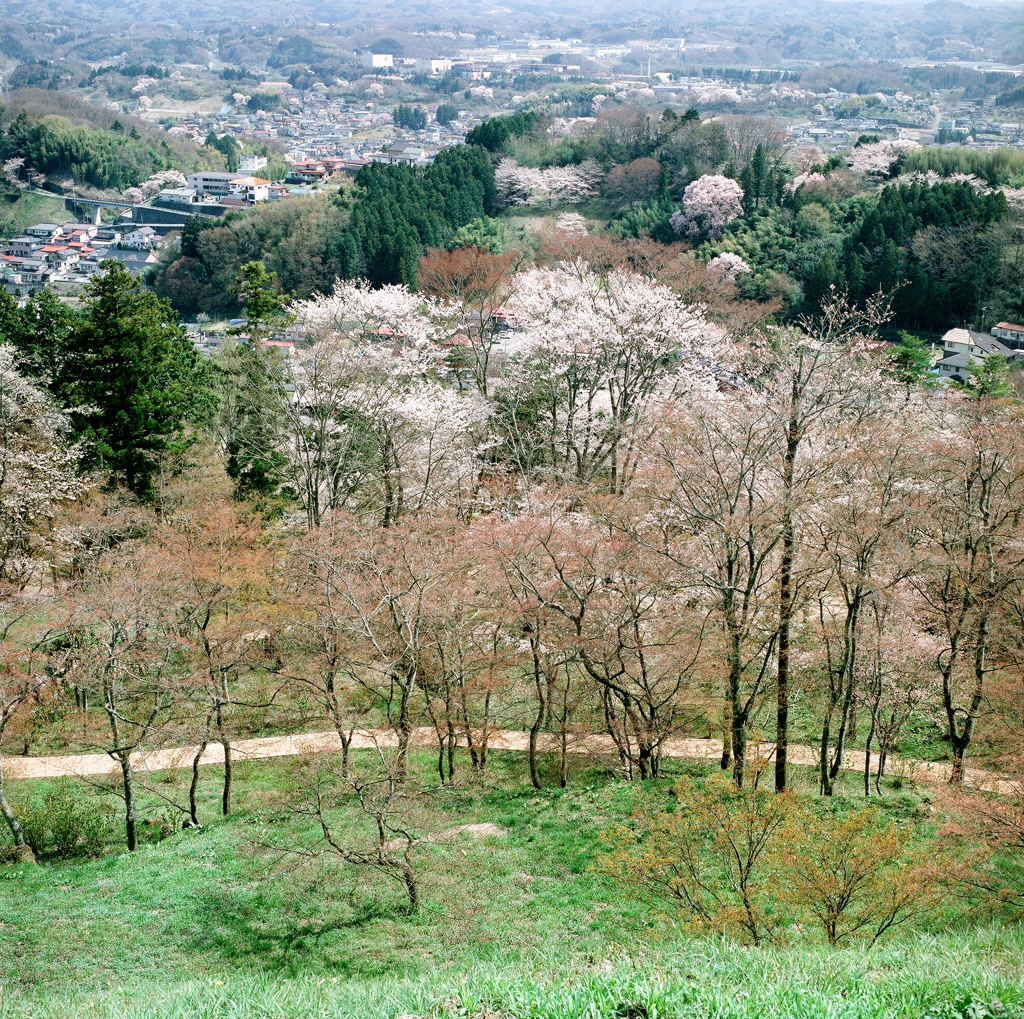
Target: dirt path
point(322, 742)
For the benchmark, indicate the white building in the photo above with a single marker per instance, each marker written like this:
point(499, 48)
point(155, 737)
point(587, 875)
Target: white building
point(963, 348)
point(140, 239)
point(249, 190)
point(179, 196)
point(434, 65)
point(250, 164)
point(378, 60)
point(211, 182)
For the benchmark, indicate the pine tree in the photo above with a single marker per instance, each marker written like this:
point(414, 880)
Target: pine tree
point(133, 380)
point(910, 362)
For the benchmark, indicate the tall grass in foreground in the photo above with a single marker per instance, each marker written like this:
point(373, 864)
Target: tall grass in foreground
point(966, 976)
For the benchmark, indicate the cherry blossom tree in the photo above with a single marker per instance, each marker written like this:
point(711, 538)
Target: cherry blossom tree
point(710, 204)
point(572, 224)
point(593, 354)
point(727, 266)
point(876, 158)
point(363, 419)
point(556, 185)
point(12, 173)
point(154, 183)
point(38, 471)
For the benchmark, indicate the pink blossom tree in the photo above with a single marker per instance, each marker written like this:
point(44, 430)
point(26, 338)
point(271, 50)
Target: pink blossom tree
point(710, 204)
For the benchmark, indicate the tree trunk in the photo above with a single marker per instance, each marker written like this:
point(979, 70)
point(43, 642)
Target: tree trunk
point(23, 853)
point(726, 735)
point(538, 720)
point(193, 789)
point(786, 594)
point(130, 809)
point(411, 886)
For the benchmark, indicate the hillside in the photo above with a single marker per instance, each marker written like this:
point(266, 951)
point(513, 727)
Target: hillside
point(62, 136)
point(516, 922)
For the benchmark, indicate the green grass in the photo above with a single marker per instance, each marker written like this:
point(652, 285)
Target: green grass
point(33, 207)
point(205, 923)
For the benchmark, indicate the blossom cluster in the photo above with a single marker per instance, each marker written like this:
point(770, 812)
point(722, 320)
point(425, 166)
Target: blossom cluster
point(710, 204)
point(556, 185)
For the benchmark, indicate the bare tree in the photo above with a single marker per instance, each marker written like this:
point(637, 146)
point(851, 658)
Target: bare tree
point(716, 514)
point(973, 564)
point(381, 798)
point(20, 684)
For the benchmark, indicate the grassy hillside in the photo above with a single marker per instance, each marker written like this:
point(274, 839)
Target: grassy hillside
point(515, 922)
point(37, 207)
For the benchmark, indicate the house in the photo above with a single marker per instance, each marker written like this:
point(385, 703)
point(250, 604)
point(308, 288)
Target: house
point(179, 196)
point(1010, 333)
point(210, 182)
point(138, 261)
point(406, 152)
point(142, 238)
point(79, 231)
point(44, 231)
point(106, 237)
point(284, 347)
point(60, 256)
point(23, 247)
point(247, 191)
point(378, 60)
point(308, 172)
point(962, 348)
point(250, 164)
point(275, 192)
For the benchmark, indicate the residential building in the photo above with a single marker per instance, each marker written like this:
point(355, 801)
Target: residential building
point(138, 261)
point(23, 247)
point(46, 231)
point(1011, 334)
point(179, 196)
point(250, 163)
point(406, 152)
point(309, 172)
point(962, 348)
point(106, 237)
point(248, 190)
point(142, 238)
point(211, 182)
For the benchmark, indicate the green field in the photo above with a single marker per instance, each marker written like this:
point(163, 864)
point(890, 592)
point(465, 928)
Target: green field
point(208, 922)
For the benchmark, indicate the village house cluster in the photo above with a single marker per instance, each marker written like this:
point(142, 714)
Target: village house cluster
point(47, 254)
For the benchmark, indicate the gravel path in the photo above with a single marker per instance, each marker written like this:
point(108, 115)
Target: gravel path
point(322, 742)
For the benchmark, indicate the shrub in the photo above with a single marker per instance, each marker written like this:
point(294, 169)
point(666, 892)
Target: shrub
point(63, 823)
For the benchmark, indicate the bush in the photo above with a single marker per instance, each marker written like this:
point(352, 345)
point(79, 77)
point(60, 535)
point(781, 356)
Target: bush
point(63, 823)
point(754, 865)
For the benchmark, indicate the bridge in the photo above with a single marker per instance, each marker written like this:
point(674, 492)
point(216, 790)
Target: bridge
point(96, 205)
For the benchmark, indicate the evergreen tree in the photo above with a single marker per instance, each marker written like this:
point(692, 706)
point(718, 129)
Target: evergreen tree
point(133, 380)
point(41, 334)
point(910, 362)
point(261, 298)
point(989, 378)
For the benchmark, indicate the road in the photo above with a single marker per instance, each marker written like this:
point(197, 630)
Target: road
point(324, 742)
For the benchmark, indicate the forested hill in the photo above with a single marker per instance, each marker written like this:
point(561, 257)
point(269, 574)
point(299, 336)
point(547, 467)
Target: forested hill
point(62, 137)
point(397, 211)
